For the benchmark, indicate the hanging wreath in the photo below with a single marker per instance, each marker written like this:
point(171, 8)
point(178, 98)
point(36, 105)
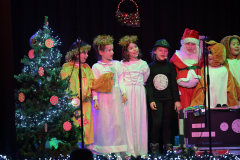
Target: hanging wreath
point(132, 19)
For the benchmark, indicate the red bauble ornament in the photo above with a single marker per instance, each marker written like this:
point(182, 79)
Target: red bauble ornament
point(21, 97)
point(31, 54)
point(54, 100)
point(41, 71)
point(67, 126)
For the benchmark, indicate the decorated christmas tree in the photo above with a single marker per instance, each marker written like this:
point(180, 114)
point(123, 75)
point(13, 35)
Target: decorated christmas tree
point(43, 109)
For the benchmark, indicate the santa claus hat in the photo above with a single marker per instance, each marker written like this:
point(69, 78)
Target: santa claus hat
point(190, 36)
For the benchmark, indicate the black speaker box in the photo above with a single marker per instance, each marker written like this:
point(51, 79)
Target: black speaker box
point(225, 128)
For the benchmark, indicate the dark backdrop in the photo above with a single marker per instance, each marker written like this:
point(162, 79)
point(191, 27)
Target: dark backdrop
point(89, 18)
point(73, 18)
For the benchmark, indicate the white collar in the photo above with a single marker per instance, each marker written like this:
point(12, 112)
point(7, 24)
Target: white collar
point(110, 63)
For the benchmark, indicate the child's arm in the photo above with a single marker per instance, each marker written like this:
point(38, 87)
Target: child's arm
point(120, 75)
point(94, 93)
point(174, 87)
point(146, 71)
point(149, 89)
point(232, 96)
point(198, 93)
point(237, 85)
point(65, 72)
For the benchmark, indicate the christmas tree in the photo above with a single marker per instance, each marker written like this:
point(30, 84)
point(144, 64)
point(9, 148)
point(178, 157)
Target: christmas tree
point(43, 109)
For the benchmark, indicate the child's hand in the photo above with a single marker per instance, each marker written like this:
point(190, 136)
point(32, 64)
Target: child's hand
point(153, 106)
point(96, 104)
point(178, 106)
point(124, 97)
point(113, 74)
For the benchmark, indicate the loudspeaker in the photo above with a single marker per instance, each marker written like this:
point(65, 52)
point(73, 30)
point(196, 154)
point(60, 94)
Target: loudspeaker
point(225, 129)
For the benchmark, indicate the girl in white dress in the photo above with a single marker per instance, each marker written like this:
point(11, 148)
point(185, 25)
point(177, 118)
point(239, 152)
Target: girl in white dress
point(109, 117)
point(136, 72)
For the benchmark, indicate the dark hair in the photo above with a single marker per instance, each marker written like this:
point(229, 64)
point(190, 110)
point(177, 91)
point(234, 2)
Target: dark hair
point(153, 55)
point(81, 154)
point(125, 56)
point(75, 46)
point(232, 38)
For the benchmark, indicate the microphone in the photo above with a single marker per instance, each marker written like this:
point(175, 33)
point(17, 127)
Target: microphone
point(79, 41)
point(206, 39)
point(205, 49)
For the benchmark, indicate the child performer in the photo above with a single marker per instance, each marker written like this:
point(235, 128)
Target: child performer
point(136, 72)
point(232, 45)
point(109, 116)
point(71, 68)
point(162, 93)
point(222, 88)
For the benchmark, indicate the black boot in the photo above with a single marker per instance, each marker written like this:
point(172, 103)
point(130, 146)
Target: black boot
point(167, 148)
point(155, 148)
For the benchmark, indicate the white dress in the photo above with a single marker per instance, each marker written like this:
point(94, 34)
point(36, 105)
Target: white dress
point(218, 85)
point(135, 75)
point(234, 66)
point(109, 122)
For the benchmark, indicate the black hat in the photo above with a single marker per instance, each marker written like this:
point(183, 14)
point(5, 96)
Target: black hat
point(162, 43)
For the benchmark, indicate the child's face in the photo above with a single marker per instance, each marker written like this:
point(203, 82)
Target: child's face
point(161, 53)
point(107, 54)
point(210, 59)
point(83, 56)
point(235, 46)
point(133, 50)
point(191, 47)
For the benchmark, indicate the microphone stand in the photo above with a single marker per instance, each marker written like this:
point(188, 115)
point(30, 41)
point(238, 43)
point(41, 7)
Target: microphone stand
point(207, 81)
point(80, 83)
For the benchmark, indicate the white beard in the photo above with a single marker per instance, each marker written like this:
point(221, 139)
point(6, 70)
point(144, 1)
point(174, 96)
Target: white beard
point(189, 58)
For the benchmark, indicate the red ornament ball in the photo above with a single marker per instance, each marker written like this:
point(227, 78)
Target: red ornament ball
point(31, 54)
point(41, 71)
point(54, 100)
point(49, 43)
point(21, 97)
point(67, 126)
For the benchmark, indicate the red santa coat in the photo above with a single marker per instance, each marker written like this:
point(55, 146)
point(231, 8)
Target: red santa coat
point(187, 78)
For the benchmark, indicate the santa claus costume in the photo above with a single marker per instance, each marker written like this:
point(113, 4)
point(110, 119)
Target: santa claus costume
point(188, 63)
